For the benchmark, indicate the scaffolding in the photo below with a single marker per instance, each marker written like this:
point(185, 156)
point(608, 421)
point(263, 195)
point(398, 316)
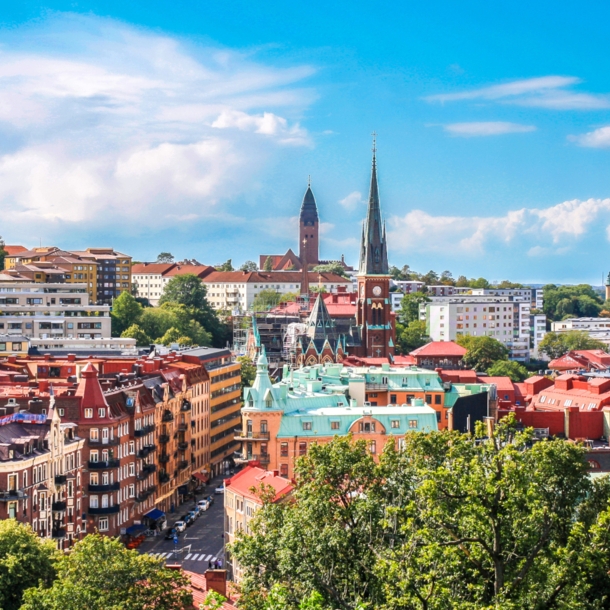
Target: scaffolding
point(242, 327)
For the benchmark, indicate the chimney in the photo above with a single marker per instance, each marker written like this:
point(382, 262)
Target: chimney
point(71, 357)
point(216, 580)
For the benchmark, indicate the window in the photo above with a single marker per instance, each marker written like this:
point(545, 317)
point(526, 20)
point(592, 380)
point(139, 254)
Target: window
point(568, 402)
point(93, 478)
point(395, 423)
point(264, 426)
point(428, 399)
point(88, 413)
point(306, 425)
point(437, 399)
point(94, 434)
point(284, 450)
point(373, 447)
point(334, 425)
point(132, 447)
point(284, 470)
point(93, 456)
point(412, 423)
point(393, 399)
point(101, 412)
point(12, 510)
point(103, 524)
point(132, 469)
point(132, 491)
point(93, 501)
point(302, 448)
point(542, 398)
point(367, 426)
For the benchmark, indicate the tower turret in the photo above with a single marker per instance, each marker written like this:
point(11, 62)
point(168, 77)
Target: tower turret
point(309, 225)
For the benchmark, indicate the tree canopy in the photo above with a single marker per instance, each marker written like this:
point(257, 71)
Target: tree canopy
point(411, 336)
point(249, 266)
point(248, 371)
point(135, 332)
point(99, 573)
point(165, 257)
point(268, 266)
point(3, 253)
point(25, 561)
point(449, 521)
point(332, 267)
point(409, 307)
point(509, 368)
point(556, 344)
point(266, 299)
point(126, 311)
point(482, 352)
point(571, 301)
point(226, 266)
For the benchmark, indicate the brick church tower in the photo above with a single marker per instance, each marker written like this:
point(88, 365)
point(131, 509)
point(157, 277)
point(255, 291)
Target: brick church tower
point(308, 230)
point(374, 312)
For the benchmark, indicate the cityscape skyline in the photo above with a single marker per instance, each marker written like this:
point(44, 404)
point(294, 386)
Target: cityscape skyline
point(196, 135)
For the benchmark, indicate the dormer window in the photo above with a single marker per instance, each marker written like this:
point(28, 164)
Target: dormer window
point(101, 412)
point(88, 413)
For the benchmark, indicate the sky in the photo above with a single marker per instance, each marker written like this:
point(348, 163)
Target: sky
point(192, 127)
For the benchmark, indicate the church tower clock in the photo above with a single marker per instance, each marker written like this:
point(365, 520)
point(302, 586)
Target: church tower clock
point(374, 311)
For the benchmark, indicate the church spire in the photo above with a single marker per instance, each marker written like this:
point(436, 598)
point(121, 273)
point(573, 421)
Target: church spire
point(373, 252)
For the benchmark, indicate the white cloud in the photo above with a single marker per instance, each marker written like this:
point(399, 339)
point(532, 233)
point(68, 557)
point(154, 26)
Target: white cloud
point(543, 92)
point(553, 229)
point(599, 138)
point(109, 122)
point(485, 128)
point(352, 200)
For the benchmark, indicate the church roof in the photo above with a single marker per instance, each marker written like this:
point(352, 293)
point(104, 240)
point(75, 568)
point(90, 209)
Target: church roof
point(373, 250)
point(309, 210)
point(319, 324)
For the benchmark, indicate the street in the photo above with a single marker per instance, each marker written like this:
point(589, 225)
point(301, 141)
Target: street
point(201, 543)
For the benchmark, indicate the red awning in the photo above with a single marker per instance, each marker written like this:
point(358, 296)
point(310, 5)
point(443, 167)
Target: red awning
point(201, 477)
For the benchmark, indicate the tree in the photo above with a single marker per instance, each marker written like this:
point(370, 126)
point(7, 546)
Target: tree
point(289, 296)
point(505, 284)
point(447, 279)
point(248, 371)
point(449, 521)
point(431, 278)
point(411, 336)
point(101, 574)
point(266, 299)
point(410, 305)
point(268, 266)
point(188, 290)
point(3, 253)
point(155, 322)
point(249, 266)
point(462, 282)
point(333, 267)
point(578, 301)
point(226, 266)
point(555, 345)
point(508, 368)
point(125, 312)
point(482, 352)
point(480, 283)
point(25, 561)
point(165, 257)
point(135, 332)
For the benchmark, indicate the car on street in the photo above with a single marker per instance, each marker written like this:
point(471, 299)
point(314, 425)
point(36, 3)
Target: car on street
point(170, 533)
point(220, 490)
point(180, 526)
point(188, 519)
point(194, 514)
point(210, 500)
point(203, 505)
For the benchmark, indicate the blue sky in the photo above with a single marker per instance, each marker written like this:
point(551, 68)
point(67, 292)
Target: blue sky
point(192, 127)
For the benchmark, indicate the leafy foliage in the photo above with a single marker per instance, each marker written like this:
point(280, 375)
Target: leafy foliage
point(249, 266)
point(266, 299)
point(135, 332)
point(333, 267)
point(571, 301)
point(3, 253)
point(126, 311)
point(508, 368)
point(165, 257)
point(248, 371)
point(25, 561)
point(101, 574)
point(409, 307)
point(483, 352)
point(226, 266)
point(411, 336)
point(268, 266)
point(450, 521)
point(555, 344)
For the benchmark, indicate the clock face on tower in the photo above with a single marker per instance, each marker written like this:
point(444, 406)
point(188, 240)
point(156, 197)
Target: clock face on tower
point(377, 290)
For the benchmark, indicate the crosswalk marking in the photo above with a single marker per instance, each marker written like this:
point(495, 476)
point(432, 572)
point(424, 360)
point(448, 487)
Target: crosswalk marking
point(208, 558)
point(195, 556)
point(188, 556)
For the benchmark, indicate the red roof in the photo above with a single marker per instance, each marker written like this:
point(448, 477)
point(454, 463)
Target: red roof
point(253, 477)
point(199, 590)
point(438, 349)
point(12, 250)
point(273, 277)
point(200, 271)
point(143, 268)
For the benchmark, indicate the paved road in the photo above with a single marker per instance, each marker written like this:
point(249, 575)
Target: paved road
point(204, 537)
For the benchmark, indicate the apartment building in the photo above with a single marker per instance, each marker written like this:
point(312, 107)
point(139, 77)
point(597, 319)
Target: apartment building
point(150, 279)
point(242, 501)
point(40, 472)
point(113, 272)
point(505, 318)
point(50, 311)
point(236, 290)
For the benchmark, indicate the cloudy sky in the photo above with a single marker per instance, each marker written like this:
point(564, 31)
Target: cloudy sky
point(192, 126)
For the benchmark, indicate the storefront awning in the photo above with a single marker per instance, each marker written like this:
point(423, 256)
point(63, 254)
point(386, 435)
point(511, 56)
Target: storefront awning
point(204, 478)
point(154, 514)
point(133, 530)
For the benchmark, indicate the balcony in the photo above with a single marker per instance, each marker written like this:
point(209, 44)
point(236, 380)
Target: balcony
point(264, 458)
point(146, 451)
point(58, 533)
point(114, 463)
point(253, 436)
point(167, 415)
point(376, 386)
point(60, 479)
point(163, 477)
point(164, 458)
point(183, 445)
point(182, 464)
point(103, 488)
point(149, 468)
point(12, 495)
point(142, 475)
point(186, 406)
point(104, 510)
point(144, 431)
point(182, 427)
point(164, 438)
point(58, 507)
point(105, 442)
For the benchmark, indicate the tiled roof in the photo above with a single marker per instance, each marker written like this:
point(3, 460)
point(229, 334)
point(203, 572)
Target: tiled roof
point(11, 250)
point(200, 271)
point(437, 349)
point(153, 268)
point(272, 277)
point(253, 477)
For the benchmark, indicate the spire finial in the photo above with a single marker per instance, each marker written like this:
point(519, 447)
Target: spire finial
point(309, 181)
point(374, 134)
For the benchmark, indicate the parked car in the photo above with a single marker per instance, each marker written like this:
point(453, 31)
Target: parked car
point(203, 505)
point(210, 500)
point(220, 490)
point(194, 514)
point(188, 519)
point(180, 526)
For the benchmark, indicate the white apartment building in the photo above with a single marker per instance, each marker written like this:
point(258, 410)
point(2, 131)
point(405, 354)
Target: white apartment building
point(235, 291)
point(502, 317)
point(47, 311)
point(537, 332)
point(534, 295)
point(586, 324)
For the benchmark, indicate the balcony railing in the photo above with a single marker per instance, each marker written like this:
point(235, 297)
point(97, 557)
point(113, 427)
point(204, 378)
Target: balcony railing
point(186, 406)
point(144, 430)
point(183, 446)
point(58, 533)
point(12, 494)
point(182, 464)
point(252, 436)
point(60, 479)
point(103, 488)
point(164, 477)
point(164, 458)
point(58, 507)
point(104, 510)
point(167, 415)
point(104, 441)
point(114, 463)
point(183, 427)
point(149, 468)
point(164, 438)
